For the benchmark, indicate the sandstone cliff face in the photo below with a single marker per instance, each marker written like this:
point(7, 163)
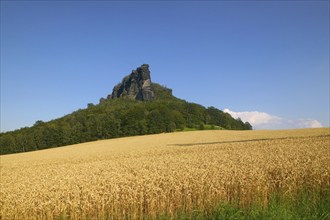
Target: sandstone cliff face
point(137, 85)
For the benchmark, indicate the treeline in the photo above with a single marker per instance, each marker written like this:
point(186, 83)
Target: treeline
point(119, 118)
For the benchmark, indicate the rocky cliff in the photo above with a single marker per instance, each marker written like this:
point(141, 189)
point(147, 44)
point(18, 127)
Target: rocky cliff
point(137, 85)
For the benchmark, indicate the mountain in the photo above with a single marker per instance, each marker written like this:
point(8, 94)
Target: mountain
point(136, 106)
point(136, 86)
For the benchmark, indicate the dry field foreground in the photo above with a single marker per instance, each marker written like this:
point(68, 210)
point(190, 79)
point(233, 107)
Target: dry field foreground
point(151, 175)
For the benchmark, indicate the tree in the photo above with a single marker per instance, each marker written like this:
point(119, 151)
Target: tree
point(7, 143)
point(154, 122)
point(38, 123)
point(248, 126)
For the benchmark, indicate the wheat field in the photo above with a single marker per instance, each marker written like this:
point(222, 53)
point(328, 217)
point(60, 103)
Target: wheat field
point(155, 175)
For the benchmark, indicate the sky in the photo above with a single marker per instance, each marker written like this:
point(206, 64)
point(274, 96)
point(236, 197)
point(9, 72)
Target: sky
point(266, 62)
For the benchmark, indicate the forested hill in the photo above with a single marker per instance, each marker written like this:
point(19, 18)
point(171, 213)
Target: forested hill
point(149, 109)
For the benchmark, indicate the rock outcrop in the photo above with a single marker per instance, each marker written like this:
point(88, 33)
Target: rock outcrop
point(137, 85)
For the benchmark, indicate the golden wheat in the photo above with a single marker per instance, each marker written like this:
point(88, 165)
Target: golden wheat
point(160, 174)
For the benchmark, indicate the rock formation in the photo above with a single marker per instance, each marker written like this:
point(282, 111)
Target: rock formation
point(137, 85)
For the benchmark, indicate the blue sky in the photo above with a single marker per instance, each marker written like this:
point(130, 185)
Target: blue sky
point(265, 61)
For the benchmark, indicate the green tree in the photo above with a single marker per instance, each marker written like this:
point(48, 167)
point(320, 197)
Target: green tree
point(8, 144)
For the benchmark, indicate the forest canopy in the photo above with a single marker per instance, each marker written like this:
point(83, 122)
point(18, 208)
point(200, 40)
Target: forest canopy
point(113, 118)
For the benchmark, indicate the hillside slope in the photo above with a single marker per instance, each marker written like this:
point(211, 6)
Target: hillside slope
point(136, 107)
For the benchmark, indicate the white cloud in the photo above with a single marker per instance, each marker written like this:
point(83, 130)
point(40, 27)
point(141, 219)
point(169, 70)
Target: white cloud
point(307, 123)
point(254, 117)
point(263, 120)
